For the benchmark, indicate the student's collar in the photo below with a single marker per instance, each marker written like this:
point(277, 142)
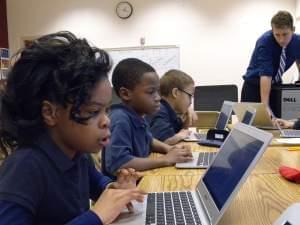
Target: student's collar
point(55, 154)
point(137, 120)
point(171, 111)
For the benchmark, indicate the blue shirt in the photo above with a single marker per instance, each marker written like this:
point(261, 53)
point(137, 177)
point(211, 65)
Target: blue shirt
point(39, 184)
point(266, 56)
point(130, 138)
point(165, 123)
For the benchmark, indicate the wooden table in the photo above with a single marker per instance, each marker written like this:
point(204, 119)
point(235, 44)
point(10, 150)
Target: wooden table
point(273, 158)
point(262, 198)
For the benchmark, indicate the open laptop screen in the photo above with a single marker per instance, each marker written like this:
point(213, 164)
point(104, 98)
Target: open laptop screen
point(224, 116)
point(247, 117)
point(230, 164)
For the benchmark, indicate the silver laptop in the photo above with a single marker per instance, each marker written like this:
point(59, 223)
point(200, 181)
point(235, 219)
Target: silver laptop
point(201, 160)
point(288, 133)
point(221, 123)
point(206, 119)
point(216, 189)
point(262, 119)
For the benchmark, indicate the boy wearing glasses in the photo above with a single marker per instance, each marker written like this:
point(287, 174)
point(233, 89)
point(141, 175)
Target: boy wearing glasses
point(170, 124)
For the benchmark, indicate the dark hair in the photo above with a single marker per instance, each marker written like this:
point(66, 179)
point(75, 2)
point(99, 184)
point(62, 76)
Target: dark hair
point(57, 67)
point(128, 73)
point(174, 79)
point(282, 19)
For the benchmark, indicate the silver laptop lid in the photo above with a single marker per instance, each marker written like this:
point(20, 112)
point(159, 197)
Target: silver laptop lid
point(262, 118)
point(224, 115)
point(230, 168)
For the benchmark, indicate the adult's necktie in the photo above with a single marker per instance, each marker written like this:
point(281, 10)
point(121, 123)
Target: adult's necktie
point(281, 68)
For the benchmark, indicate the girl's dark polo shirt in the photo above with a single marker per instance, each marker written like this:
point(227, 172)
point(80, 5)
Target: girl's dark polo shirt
point(130, 137)
point(41, 185)
point(165, 123)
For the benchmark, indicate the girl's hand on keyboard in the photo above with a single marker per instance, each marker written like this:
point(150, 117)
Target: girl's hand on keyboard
point(126, 179)
point(113, 201)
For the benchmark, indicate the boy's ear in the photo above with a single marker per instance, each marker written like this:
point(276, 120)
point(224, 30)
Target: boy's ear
point(175, 92)
point(49, 113)
point(125, 94)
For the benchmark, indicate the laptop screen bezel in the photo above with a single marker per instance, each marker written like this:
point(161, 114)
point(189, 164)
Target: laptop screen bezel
point(202, 191)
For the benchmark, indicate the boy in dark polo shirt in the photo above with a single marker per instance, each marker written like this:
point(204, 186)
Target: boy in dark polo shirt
point(137, 84)
point(170, 124)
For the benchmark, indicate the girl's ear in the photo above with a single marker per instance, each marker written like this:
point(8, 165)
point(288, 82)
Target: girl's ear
point(175, 92)
point(49, 113)
point(125, 94)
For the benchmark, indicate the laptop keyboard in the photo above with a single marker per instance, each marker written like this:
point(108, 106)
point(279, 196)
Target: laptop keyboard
point(200, 135)
point(205, 158)
point(291, 133)
point(171, 208)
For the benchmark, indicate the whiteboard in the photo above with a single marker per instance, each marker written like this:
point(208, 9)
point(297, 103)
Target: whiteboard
point(161, 58)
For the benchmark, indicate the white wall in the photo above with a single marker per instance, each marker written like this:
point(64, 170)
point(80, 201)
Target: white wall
point(216, 37)
point(297, 14)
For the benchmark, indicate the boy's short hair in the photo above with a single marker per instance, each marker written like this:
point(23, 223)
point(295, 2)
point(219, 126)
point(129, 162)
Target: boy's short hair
point(174, 79)
point(282, 19)
point(128, 73)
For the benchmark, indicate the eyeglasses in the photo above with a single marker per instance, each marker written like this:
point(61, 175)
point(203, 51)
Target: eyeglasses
point(189, 94)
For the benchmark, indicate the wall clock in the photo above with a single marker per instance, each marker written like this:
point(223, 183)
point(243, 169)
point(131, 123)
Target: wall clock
point(124, 10)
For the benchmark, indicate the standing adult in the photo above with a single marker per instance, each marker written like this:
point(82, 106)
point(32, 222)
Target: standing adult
point(274, 53)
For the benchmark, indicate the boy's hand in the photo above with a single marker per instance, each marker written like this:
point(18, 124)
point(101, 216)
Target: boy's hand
point(183, 133)
point(189, 118)
point(126, 179)
point(113, 201)
point(178, 154)
point(181, 146)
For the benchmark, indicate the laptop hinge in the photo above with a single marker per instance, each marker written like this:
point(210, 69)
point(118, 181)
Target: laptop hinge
point(203, 206)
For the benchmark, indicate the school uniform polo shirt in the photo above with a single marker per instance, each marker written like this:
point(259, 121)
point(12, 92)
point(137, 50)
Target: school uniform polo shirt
point(130, 138)
point(266, 56)
point(41, 185)
point(165, 123)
